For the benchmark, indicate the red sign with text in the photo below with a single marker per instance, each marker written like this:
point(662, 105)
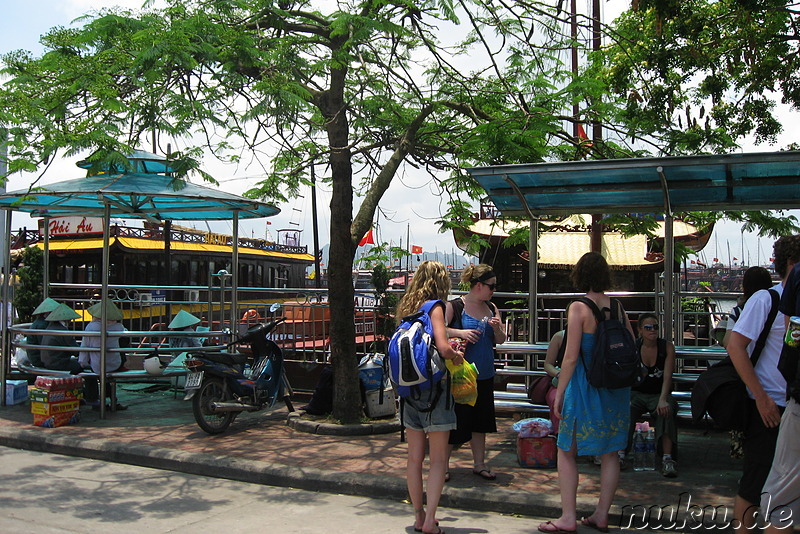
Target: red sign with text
point(66, 226)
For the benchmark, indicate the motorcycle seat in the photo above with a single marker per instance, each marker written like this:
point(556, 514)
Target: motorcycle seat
point(225, 358)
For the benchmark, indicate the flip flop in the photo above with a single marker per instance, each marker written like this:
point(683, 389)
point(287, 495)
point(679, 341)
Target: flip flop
point(548, 527)
point(484, 474)
point(587, 522)
point(447, 476)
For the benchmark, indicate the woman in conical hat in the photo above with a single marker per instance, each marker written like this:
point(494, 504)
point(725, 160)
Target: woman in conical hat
point(184, 322)
point(63, 357)
point(39, 313)
point(91, 358)
point(46, 306)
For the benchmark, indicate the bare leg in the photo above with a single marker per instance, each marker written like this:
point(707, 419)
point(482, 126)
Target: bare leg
point(478, 446)
point(416, 456)
point(609, 478)
point(438, 449)
point(568, 483)
point(745, 514)
point(666, 444)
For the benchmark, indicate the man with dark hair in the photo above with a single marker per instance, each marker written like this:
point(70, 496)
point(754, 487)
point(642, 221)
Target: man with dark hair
point(780, 499)
point(766, 387)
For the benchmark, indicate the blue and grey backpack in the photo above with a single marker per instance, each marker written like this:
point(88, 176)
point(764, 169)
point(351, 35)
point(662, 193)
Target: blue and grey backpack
point(415, 366)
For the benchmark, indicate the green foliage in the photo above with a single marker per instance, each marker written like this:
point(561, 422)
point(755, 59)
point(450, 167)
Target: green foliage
point(29, 293)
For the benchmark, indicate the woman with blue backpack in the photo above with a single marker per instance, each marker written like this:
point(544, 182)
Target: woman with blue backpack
point(594, 420)
point(428, 423)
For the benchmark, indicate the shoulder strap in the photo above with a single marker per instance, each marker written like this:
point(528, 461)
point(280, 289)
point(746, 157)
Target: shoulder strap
point(762, 339)
point(429, 305)
point(598, 315)
point(458, 307)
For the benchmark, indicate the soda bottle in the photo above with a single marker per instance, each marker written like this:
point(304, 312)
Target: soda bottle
point(650, 450)
point(638, 450)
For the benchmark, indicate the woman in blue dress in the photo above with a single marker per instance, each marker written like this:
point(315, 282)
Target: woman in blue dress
point(593, 421)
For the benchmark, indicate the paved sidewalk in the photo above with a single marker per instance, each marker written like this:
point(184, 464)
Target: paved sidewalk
point(159, 431)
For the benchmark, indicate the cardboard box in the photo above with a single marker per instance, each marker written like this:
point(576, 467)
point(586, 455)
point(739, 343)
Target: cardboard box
point(537, 452)
point(54, 382)
point(51, 408)
point(58, 419)
point(16, 392)
point(376, 409)
point(55, 395)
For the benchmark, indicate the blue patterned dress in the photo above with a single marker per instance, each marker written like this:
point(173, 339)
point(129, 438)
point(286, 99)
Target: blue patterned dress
point(597, 419)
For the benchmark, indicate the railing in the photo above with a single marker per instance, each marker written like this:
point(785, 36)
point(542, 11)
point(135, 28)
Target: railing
point(305, 337)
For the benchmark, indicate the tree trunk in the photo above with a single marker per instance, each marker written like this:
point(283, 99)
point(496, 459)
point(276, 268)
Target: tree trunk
point(346, 393)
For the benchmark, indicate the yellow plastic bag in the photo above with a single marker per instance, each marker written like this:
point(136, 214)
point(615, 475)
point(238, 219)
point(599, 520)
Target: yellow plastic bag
point(463, 382)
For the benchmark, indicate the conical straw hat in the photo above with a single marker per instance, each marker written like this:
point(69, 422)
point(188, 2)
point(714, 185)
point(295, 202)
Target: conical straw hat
point(113, 313)
point(46, 306)
point(183, 319)
point(62, 313)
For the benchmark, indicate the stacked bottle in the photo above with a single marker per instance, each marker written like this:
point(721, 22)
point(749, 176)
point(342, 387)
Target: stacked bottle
point(650, 450)
point(639, 450)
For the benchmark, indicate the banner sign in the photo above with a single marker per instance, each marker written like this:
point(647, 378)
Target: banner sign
point(67, 226)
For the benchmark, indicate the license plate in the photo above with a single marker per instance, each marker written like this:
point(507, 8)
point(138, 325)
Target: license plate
point(193, 380)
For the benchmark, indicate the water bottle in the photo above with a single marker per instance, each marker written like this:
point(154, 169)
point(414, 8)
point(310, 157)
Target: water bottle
point(481, 328)
point(639, 450)
point(650, 450)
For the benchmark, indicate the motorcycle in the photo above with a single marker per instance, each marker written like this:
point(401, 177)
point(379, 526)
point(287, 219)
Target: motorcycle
point(221, 385)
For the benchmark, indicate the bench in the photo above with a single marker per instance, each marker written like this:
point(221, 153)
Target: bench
point(522, 361)
point(112, 379)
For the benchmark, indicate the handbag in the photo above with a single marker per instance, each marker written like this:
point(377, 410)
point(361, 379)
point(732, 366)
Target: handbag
point(537, 391)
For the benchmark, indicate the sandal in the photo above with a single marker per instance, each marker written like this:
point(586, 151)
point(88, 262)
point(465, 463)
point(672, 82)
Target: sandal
point(484, 474)
point(548, 527)
point(589, 522)
point(447, 476)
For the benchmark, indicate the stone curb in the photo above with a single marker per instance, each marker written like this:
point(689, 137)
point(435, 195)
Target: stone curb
point(299, 422)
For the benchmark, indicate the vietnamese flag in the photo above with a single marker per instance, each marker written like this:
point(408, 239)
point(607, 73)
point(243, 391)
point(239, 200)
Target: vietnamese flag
point(368, 239)
point(416, 249)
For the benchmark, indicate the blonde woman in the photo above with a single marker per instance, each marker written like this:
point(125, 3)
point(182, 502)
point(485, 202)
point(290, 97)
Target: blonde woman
point(431, 281)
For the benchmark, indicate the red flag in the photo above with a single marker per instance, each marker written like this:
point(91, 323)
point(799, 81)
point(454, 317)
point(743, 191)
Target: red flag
point(716, 259)
point(735, 259)
point(692, 262)
point(416, 249)
point(582, 133)
point(368, 239)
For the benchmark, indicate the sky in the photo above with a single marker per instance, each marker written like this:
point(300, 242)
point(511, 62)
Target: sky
point(414, 206)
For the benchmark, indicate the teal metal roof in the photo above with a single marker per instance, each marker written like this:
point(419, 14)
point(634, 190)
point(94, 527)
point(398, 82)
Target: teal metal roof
point(148, 192)
point(755, 181)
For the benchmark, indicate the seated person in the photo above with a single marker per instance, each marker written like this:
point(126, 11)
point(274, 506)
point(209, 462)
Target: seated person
point(90, 359)
point(184, 322)
point(552, 366)
point(39, 323)
point(64, 356)
point(654, 395)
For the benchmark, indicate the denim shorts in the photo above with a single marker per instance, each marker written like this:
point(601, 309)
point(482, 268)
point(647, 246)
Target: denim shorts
point(441, 418)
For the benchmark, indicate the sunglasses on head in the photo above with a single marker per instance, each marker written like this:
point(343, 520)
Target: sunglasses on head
point(490, 286)
point(650, 326)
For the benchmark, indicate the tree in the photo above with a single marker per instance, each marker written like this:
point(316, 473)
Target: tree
point(29, 293)
point(363, 89)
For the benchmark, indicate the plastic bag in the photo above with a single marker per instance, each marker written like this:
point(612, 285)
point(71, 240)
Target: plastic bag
point(535, 427)
point(463, 382)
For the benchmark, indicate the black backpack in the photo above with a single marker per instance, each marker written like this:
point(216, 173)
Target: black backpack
point(616, 362)
point(720, 392)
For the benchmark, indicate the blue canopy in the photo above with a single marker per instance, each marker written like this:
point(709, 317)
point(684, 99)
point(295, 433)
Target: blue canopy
point(136, 195)
point(757, 181)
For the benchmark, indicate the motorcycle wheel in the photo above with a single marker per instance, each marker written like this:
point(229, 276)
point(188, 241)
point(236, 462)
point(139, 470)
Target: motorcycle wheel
point(212, 390)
